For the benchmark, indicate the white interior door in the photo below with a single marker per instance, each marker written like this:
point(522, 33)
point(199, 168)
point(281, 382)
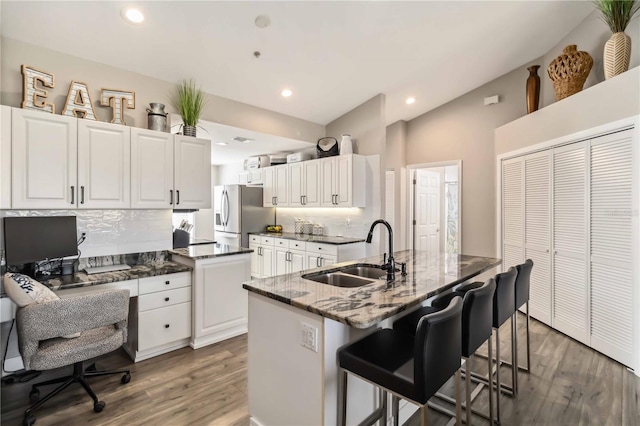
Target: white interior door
point(512, 212)
point(427, 211)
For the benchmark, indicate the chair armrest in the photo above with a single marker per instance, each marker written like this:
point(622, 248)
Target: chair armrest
point(62, 317)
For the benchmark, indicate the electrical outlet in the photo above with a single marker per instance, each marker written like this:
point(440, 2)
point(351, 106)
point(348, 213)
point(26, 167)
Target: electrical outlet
point(309, 336)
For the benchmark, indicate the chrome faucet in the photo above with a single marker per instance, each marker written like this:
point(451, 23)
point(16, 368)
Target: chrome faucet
point(390, 266)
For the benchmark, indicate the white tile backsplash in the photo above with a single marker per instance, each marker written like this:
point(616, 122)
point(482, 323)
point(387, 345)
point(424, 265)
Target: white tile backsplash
point(112, 232)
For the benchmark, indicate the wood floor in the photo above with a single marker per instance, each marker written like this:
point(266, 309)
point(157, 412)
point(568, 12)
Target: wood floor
point(570, 384)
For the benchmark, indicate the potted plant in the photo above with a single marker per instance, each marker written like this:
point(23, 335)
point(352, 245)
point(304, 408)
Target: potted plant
point(189, 101)
point(617, 51)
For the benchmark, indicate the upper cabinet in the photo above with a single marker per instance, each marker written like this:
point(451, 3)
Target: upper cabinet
point(192, 173)
point(59, 162)
point(304, 184)
point(276, 186)
point(104, 165)
point(44, 160)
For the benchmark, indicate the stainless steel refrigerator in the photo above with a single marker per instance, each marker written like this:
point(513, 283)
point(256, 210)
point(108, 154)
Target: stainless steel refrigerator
point(238, 211)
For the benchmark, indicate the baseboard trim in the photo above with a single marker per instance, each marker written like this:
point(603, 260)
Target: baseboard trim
point(210, 339)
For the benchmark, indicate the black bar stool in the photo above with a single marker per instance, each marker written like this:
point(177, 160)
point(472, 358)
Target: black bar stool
point(412, 368)
point(477, 319)
point(523, 284)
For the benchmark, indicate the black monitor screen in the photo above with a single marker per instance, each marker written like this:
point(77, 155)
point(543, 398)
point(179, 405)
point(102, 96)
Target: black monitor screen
point(30, 239)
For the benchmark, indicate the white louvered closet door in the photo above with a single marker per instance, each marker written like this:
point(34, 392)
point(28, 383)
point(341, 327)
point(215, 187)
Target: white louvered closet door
point(512, 212)
point(537, 231)
point(570, 241)
point(612, 246)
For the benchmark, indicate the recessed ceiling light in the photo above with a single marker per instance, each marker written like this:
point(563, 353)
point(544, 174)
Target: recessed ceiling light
point(133, 15)
point(286, 93)
point(411, 100)
point(222, 143)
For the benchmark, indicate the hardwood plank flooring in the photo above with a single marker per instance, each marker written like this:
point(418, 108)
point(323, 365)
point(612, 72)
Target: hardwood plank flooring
point(570, 384)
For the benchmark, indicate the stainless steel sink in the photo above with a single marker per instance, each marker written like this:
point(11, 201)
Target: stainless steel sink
point(338, 279)
point(365, 271)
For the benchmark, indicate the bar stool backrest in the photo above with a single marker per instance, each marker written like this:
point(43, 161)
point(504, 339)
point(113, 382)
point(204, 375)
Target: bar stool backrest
point(523, 282)
point(504, 299)
point(477, 317)
point(438, 349)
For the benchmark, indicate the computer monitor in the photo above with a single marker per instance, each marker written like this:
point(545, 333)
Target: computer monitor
point(32, 239)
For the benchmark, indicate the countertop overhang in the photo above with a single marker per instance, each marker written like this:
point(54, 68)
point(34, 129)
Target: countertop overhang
point(207, 251)
point(365, 306)
point(323, 239)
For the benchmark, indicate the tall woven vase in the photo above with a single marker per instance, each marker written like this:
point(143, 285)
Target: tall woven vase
point(617, 54)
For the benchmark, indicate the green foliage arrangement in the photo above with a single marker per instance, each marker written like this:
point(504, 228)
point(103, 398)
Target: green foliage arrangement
point(617, 13)
point(189, 101)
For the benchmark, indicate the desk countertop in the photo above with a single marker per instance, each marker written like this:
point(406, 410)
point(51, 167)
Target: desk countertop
point(207, 251)
point(365, 306)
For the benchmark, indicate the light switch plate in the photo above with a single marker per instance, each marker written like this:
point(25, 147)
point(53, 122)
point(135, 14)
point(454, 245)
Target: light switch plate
point(309, 336)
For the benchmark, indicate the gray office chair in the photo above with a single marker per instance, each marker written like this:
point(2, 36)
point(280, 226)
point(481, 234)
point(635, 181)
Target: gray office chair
point(101, 320)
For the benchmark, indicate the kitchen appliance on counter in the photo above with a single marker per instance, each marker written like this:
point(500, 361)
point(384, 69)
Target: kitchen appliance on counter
point(238, 211)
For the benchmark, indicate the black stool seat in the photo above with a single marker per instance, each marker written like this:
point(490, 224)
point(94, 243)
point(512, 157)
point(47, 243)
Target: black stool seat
point(523, 282)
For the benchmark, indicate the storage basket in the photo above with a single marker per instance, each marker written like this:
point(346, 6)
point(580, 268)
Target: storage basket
point(569, 71)
point(327, 147)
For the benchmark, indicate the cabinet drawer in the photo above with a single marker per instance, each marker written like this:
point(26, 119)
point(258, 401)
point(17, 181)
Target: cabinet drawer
point(161, 326)
point(297, 245)
point(322, 248)
point(164, 282)
point(161, 299)
point(254, 239)
point(267, 241)
point(281, 242)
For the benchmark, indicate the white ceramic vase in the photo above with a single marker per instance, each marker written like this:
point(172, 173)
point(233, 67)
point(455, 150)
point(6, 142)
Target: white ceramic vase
point(346, 145)
point(617, 54)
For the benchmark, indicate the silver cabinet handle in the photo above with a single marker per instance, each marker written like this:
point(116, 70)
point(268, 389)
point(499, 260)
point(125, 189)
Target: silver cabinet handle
point(82, 194)
point(73, 189)
point(177, 197)
point(171, 197)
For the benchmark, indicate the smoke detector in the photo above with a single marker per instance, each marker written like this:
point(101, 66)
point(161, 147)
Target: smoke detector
point(262, 21)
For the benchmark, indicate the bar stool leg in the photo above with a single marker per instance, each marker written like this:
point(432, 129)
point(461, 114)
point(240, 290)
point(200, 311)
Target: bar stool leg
point(395, 408)
point(498, 386)
point(342, 397)
point(383, 407)
point(467, 388)
point(423, 415)
point(528, 342)
point(490, 362)
point(514, 354)
point(458, 400)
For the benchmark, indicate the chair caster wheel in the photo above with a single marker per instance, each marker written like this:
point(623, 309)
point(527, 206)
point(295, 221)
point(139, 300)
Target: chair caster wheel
point(99, 406)
point(125, 379)
point(34, 395)
point(28, 420)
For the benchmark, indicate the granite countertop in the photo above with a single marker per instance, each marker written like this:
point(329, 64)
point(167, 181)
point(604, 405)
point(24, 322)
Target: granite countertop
point(325, 239)
point(82, 279)
point(365, 306)
point(206, 251)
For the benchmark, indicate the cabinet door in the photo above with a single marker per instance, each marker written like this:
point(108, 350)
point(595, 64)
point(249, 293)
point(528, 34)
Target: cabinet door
point(104, 165)
point(44, 160)
point(192, 173)
point(313, 261)
point(296, 184)
point(512, 212)
point(268, 190)
point(296, 261)
point(162, 326)
point(5, 157)
point(538, 232)
point(151, 169)
point(344, 183)
point(328, 179)
point(281, 180)
point(612, 246)
point(570, 284)
point(256, 260)
point(268, 261)
point(281, 262)
point(312, 183)
point(328, 260)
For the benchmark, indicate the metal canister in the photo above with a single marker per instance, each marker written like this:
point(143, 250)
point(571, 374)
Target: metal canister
point(156, 117)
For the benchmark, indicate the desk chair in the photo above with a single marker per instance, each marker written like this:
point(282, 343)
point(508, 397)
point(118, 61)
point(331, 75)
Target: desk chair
point(101, 319)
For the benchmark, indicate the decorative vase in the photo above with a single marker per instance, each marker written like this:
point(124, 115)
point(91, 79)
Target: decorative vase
point(617, 54)
point(156, 117)
point(346, 145)
point(189, 130)
point(569, 71)
point(533, 89)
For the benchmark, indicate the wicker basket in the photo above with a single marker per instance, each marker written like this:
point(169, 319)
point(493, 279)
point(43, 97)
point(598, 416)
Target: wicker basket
point(569, 71)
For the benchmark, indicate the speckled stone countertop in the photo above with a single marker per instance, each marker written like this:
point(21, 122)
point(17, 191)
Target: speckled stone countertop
point(365, 306)
point(82, 279)
point(206, 251)
point(325, 239)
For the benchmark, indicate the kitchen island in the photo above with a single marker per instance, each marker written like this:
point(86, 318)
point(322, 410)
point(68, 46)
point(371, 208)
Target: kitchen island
point(296, 326)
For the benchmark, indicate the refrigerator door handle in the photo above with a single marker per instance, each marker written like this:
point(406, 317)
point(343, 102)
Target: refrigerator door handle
point(225, 204)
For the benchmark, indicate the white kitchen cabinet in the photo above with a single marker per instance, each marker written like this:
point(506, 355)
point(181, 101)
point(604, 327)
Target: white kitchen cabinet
point(151, 169)
point(343, 181)
point(250, 177)
point(305, 183)
point(296, 184)
point(104, 165)
point(263, 259)
point(297, 261)
point(255, 260)
point(44, 160)
point(276, 186)
point(281, 261)
point(318, 261)
point(289, 257)
point(192, 173)
point(5, 157)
